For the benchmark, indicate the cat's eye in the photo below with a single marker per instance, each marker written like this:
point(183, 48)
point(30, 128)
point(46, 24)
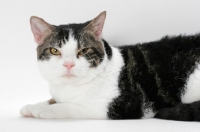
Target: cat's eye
point(54, 51)
point(83, 51)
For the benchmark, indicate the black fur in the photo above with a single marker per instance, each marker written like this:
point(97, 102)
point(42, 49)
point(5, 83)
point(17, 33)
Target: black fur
point(181, 112)
point(154, 75)
point(76, 28)
point(107, 49)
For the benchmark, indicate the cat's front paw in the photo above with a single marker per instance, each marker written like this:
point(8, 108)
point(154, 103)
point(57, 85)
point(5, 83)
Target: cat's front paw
point(27, 110)
point(44, 112)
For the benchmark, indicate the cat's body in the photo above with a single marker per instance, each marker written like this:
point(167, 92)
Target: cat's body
point(158, 75)
point(90, 79)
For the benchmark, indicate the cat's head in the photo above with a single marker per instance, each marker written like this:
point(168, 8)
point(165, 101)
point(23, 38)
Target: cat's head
point(73, 53)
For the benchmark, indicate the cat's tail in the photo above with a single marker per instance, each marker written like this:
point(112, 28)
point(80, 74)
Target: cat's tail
point(181, 112)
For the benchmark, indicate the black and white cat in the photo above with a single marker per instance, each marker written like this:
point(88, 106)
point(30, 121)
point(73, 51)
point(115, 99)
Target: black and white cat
point(90, 79)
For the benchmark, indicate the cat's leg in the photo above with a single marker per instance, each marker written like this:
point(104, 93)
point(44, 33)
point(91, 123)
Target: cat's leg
point(181, 112)
point(27, 109)
point(68, 110)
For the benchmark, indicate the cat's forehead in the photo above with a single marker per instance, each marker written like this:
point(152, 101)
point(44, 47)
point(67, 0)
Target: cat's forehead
point(76, 30)
point(69, 46)
point(74, 26)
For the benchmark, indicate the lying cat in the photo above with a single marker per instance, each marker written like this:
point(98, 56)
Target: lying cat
point(90, 79)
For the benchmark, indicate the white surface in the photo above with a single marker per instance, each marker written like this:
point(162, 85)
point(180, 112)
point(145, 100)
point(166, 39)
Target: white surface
point(127, 22)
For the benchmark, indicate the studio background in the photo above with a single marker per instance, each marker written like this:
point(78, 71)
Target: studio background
point(127, 22)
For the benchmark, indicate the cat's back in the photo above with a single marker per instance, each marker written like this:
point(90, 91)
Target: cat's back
point(169, 61)
point(170, 56)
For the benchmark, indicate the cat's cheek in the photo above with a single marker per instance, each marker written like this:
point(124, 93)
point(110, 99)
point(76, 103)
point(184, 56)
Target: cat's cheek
point(51, 70)
point(82, 67)
point(44, 69)
point(80, 72)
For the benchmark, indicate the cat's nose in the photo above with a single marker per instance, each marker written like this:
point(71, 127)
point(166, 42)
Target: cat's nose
point(69, 65)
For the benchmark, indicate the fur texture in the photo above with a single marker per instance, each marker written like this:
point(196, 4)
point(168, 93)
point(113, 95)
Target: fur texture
point(88, 78)
point(155, 75)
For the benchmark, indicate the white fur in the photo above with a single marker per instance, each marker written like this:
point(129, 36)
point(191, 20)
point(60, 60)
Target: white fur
point(147, 110)
point(85, 96)
point(148, 113)
point(192, 87)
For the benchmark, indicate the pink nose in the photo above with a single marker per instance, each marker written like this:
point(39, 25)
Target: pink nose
point(69, 65)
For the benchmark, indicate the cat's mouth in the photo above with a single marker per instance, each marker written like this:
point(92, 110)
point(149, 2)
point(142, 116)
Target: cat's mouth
point(69, 76)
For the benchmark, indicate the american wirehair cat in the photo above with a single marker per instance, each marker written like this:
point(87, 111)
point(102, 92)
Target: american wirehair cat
point(90, 79)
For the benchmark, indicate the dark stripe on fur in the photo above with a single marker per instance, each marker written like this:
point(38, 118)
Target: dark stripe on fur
point(107, 49)
point(155, 74)
point(127, 105)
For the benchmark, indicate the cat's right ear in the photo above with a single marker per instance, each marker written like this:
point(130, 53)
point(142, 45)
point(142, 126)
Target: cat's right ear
point(40, 29)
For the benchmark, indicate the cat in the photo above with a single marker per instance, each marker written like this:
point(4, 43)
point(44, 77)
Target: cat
point(90, 79)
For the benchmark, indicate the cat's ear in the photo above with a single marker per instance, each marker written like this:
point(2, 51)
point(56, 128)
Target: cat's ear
point(40, 29)
point(96, 25)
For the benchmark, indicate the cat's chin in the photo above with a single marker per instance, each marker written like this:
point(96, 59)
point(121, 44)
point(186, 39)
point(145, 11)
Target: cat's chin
point(69, 76)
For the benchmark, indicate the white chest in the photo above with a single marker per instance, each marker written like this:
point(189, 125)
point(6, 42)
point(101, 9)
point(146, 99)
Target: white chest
point(98, 91)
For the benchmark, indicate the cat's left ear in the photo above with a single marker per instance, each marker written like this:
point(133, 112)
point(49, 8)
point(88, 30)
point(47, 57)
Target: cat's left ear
point(96, 25)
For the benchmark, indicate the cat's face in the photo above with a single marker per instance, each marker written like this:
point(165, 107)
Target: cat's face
point(71, 53)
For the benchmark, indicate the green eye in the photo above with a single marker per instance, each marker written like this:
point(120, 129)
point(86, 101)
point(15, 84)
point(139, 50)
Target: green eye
point(54, 51)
